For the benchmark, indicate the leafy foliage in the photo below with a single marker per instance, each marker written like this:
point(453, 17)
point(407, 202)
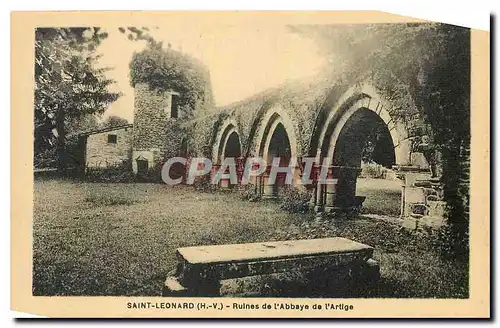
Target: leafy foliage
point(138, 34)
point(379, 148)
point(372, 170)
point(47, 157)
point(114, 120)
point(293, 199)
point(68, 86)
point(450, 241)
point(117, 173)
point(169, 69)
point(248, 192)
point(423, 69)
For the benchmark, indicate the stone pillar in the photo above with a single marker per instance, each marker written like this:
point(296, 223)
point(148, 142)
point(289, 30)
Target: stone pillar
point(330, 190)
point(346, 187)
point(320, 198)
point(215, 169)
point(315, 200)
point(341, 195)
point(312, 200)
point(268, 190)
point(240, 169)
point(260, 185)
point(402, 210)
point(421, 198)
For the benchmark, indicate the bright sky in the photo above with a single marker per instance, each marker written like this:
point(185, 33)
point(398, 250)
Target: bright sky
point(243, 59)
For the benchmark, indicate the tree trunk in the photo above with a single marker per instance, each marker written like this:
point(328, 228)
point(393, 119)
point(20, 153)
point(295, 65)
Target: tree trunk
point(62, 160)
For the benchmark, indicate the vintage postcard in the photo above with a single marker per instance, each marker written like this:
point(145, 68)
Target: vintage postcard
point(249, 165)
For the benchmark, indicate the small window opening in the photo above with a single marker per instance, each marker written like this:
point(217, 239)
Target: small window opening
point(112, 138)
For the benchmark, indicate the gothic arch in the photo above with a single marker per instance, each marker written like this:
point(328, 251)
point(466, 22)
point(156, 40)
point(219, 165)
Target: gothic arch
point(348, 105)
point(343, 132)
point(275, 137)
point(227, 130)
point(273, 119)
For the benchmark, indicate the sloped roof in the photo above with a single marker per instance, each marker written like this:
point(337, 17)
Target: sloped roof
point(111, 128)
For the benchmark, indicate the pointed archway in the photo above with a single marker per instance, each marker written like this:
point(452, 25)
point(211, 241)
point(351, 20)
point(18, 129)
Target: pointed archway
point(359, 118)
point(276, 137)
point(363, 129)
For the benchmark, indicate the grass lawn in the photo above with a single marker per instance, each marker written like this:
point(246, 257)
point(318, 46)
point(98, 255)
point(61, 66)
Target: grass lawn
point(120, 239)
point(383, 197)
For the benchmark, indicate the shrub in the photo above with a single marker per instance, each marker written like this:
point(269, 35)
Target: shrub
point(294, 199)
point(204, 184)
point(45, 158)
point(373, 170)
point(247, 192)
point(117, 173)
point(451, 242)
point(153, 175)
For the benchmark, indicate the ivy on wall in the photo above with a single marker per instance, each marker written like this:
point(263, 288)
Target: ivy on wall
point(422, 69)
point(168, 69)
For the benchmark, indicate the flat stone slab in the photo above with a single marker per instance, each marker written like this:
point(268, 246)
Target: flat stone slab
point(219, 262)
point(271, 250)
point(201, 268)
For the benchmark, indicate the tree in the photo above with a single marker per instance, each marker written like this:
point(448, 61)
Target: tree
point(114, 120)
point(378, 147)
point(139, 34)
point(68, 86)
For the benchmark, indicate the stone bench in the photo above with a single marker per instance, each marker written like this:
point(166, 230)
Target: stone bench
point(201, 268)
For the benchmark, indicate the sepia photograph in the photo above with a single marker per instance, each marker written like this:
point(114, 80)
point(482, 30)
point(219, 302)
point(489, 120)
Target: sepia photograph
point(252, 161)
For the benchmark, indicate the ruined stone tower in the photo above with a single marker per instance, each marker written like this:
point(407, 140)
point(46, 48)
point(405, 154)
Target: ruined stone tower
point(157, 132)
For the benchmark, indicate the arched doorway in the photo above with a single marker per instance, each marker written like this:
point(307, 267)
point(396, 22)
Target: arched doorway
point(363, 138)
point(178, 170)
point(231, 149)
point(226, 144)
point(358, 128)
point(227, 139)
point(276, 137)
point(279, 146)
point(142, 168)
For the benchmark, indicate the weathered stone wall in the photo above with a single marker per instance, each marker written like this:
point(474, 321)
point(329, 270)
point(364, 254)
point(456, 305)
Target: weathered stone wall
point(301, 101)
point(100, 153)
point(307, 104)
point(151, 113)
point(154, 129)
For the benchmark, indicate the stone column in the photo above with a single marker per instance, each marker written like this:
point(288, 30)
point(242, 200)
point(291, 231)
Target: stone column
point(320, 198)
point(240, 169)
point(312, 200)
point(402, 211)
point(259, 185)
point(331, 190)
point(269, 190)
point(346, 186)
point(215, 169)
